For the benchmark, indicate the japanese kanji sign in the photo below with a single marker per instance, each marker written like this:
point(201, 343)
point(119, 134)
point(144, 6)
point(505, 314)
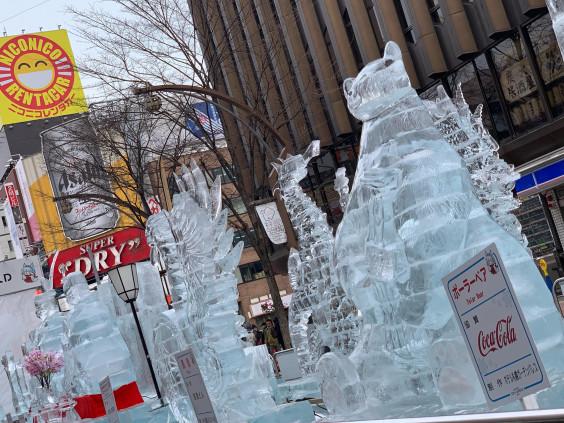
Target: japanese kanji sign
point(495, 331)
point(195, 385)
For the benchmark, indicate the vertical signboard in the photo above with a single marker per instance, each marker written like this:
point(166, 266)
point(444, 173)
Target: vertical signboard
point(195, 385)
point(74, 165)
point(28, 203)
point(13, 230)
point(109, 400)
point(38, 77)
point(495, 331)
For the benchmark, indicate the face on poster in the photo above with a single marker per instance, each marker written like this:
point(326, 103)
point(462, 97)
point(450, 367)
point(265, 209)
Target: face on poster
point(38, 77)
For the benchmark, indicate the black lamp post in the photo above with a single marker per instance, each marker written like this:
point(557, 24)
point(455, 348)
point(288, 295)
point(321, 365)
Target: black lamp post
point(124, 280)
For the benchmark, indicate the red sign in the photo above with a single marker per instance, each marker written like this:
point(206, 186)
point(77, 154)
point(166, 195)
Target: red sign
point(11, 194)
point(110, 251)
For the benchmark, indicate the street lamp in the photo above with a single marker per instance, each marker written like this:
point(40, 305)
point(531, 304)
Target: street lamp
point(124, 280)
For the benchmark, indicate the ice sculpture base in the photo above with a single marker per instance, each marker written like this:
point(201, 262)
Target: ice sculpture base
point(298, 412)
point(299, 389)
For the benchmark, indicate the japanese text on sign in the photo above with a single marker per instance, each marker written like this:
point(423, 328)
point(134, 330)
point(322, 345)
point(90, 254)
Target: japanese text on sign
point(494, 329)
point(109, 400)
point(195, 385)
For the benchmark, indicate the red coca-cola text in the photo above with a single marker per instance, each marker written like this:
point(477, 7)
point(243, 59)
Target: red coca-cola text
point(502, 336)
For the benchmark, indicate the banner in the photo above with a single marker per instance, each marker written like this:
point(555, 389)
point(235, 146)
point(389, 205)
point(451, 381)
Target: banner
point(28, 203)
point(208, 119)
point(13, 230)
point(38, 78)
point(117, 249)
point(19, 275)
point(11, 194)
point(71, 172)
point(272, 222)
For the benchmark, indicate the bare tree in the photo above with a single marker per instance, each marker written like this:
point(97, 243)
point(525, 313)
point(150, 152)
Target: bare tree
point(154, 42)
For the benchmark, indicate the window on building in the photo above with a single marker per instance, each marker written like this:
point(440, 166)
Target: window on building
point(517, 83)
point(4, 222)
point(404, 22)
point(242, 236)
point(352, 40)
point(10, 245)
point(172, 187)
point(549, 61)
point(237, 204)
point(251, 271)
point(435, 11)
point(227, 175)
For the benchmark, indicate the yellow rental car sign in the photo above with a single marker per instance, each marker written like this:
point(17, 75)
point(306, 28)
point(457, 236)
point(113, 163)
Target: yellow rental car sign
point(38, 77)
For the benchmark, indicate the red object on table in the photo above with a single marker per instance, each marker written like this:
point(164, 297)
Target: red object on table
point(92, 406)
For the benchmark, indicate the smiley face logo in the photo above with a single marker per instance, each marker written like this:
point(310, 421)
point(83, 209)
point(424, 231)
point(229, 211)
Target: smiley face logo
point(35, 72)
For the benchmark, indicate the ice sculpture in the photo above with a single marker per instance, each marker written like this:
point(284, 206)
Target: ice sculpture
point(94, 347)
point(21, 398)
point(412, 217)
point(342, 187)
point(317, 290)
point(48, 335)
point(196, 248)
point(493, 178)
point(556, 10)
point(123, 316)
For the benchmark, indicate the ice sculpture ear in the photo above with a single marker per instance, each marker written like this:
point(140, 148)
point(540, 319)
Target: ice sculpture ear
point(392, 53)
point(347, 87)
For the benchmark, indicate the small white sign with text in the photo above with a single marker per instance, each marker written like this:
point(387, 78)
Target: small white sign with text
point(495, 331)
point(195, 385)
point(109, 400)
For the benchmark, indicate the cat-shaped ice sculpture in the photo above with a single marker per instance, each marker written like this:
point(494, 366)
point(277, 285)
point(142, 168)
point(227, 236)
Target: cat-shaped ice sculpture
point(412, 218)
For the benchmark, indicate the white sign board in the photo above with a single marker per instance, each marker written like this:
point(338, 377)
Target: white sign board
point(195, 385)
point(272, 222)
point(13, 230)
point(495, 331)
point(109, 400)
point(20, 275)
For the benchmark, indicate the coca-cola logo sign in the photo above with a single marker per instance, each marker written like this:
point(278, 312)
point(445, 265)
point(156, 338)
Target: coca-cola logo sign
point(502, 336)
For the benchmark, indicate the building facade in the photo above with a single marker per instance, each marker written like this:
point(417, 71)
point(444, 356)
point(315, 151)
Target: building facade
point(502, 53)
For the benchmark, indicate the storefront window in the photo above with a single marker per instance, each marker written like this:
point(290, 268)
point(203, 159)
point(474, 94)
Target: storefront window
point(517, 83)
point(549, 61)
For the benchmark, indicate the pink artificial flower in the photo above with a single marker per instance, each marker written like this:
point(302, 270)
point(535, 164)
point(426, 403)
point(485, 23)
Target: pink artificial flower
point(43, 365)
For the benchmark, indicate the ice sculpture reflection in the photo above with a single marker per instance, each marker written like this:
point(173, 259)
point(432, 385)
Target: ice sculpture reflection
point(556, 10)
point(412, 217)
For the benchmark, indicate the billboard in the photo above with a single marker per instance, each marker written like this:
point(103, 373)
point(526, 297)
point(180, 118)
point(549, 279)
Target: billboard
point(19, 275)
point(73, 165)
point(208, 120)
point(38, 77)
point(119, 248)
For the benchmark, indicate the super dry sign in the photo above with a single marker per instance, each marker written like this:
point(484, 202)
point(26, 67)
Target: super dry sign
point(110, 251)
point(38, 77)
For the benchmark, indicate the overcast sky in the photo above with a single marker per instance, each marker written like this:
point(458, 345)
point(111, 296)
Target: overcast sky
point(44, 15)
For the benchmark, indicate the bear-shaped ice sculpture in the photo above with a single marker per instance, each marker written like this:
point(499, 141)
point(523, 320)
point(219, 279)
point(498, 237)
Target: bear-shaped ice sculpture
point(412, 218)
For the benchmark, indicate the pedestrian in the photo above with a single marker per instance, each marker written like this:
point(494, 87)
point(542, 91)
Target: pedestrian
point(271, 338)
point(280, 337)
point(259, 336)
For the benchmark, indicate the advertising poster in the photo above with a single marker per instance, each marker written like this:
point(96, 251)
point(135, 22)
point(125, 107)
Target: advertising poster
point(19, 275)
point(38, 77)
point(28, 203)
point(71, 172)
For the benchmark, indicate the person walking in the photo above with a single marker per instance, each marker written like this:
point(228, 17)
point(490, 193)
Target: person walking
point(271, 338)
point(259, 336)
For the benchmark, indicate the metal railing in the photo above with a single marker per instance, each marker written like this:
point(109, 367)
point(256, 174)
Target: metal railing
point(530, 416)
